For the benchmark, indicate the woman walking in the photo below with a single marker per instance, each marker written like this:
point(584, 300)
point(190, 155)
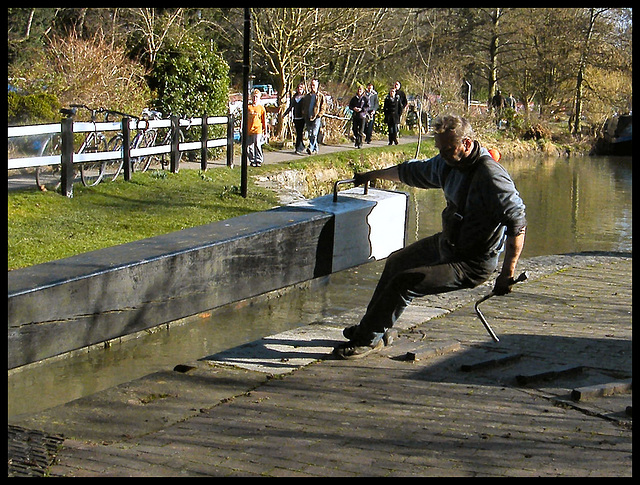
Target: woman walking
point(256, 129)
point(392, 109)
point(295, 105)
point(359, 104)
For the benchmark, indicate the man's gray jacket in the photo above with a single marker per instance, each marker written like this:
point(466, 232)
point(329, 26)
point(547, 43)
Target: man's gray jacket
point(492, 202)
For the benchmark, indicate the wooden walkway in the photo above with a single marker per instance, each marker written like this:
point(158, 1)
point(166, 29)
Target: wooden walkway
point(552, 398)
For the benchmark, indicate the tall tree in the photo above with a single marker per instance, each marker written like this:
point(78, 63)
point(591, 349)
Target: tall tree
point(586, 48)
point(154, 28)
point(485, 35)
point(292, 40)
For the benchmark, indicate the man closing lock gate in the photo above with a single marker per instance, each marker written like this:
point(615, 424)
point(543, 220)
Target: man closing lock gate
point(483, 216)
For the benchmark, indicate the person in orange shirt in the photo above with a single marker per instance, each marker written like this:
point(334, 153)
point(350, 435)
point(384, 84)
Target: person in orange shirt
point(256, 129)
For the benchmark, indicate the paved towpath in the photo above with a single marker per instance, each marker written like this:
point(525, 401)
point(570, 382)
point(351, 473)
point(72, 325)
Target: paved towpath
point(552, 398)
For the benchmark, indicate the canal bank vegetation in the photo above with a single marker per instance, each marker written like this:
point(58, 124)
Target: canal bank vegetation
point(548, 61)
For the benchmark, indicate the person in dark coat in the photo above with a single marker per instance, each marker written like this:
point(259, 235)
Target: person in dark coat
point(295, 105)
point(392, 110)
point(402, 96)
point(374, 106)
point(359, 104)
point(498, 104)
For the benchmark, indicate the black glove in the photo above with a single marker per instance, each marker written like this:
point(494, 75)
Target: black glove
point(503, 284)
point(360, 179)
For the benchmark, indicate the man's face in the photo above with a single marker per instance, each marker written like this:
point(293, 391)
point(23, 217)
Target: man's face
point(314, 86)
point(450, 149)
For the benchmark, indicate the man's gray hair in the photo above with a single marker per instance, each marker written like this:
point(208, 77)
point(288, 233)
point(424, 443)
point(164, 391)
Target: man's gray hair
point(453, 123)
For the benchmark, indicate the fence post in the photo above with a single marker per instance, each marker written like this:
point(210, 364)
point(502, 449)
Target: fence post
point(230, 123)
point(203, 140)
point(126, 150)
point(175, 140)
point(66, 172)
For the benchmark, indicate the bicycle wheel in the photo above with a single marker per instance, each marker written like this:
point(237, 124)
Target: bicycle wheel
point(49, 177)
point(91, 173)
point(146, 139)
point(114, 167)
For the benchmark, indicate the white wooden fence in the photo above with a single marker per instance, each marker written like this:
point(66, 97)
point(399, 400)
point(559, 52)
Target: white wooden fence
point(66, 128)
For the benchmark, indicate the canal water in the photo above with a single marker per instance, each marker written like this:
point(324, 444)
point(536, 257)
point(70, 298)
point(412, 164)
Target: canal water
point(573, 204)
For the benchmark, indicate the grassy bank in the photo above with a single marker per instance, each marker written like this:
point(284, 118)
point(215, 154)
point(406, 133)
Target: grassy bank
point(43, 226)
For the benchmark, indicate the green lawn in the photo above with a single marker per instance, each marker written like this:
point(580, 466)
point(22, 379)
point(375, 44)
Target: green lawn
point(43, 226)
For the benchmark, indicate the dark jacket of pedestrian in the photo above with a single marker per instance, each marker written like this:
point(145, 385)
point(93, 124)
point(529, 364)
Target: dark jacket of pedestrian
point(361, 102)
point(295, 105)
point(392, 109)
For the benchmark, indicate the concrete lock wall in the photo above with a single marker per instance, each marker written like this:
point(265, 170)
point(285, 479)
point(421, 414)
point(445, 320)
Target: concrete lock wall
point(86, 299)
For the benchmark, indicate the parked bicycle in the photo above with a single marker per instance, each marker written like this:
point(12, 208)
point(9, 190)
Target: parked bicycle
point(144, 137)
point(93, 172)
point(95, 141)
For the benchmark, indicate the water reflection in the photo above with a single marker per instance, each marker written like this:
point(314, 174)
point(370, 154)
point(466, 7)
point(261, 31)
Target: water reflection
point(573, 204)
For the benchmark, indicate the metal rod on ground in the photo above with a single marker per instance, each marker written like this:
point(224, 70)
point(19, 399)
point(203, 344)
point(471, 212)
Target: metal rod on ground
point(522, 277)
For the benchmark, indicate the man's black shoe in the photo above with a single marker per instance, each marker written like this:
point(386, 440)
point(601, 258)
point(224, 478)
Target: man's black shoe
point(389, 336)
point(351, 350)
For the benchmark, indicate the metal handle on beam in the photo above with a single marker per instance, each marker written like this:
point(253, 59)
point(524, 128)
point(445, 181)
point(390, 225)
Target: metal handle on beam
point(347, 181)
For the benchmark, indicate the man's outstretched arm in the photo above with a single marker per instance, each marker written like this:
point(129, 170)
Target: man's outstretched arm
point(390, 173)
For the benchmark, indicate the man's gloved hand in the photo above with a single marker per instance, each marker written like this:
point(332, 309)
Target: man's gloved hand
point(361, 178)
point(504, 283)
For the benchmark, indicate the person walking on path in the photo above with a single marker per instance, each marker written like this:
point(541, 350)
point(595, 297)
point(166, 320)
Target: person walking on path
point(498, 104)
point(374, 106)
point(391, 110)
point(402, 96)
point(484, 215)
point(256, 129)
point(403, 102)
point(313, 108)
point(359, 104)
point(295, 105)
